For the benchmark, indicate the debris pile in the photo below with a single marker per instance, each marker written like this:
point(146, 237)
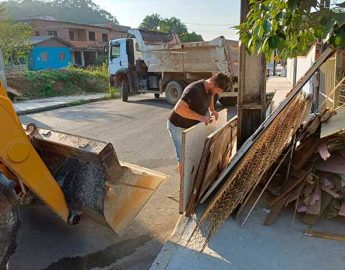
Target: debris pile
point(296, 147)
point(313, 179)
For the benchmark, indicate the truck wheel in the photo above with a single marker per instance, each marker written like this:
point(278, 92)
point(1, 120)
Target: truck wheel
point(125, 90)
point(228, 101)
point(173, 92)
point(157, 96)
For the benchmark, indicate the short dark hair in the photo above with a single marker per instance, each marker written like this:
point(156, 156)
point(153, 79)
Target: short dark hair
point(221, 80)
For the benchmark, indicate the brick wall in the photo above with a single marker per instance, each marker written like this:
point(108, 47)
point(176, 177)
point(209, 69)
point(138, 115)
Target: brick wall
point(81, 32)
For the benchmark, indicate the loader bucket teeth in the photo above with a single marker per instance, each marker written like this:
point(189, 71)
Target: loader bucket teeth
point(92, 178)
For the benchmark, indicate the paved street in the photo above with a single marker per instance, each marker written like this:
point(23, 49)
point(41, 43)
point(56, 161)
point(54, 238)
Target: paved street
point(137, 131)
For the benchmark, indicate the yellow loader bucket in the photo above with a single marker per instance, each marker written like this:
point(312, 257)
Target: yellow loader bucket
point(92, 178)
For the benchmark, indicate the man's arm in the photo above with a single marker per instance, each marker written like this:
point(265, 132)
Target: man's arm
point(183, 109)
point(213, 112)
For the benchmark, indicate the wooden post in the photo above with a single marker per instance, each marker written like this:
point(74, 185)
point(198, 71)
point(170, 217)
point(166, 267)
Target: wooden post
point(252, 91)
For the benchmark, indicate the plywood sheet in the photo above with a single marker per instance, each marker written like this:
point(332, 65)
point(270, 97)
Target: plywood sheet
point(219, 148)
point(193, 140)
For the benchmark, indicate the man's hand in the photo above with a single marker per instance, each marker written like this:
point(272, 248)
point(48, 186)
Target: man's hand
point(215, 114)
point(206, 120)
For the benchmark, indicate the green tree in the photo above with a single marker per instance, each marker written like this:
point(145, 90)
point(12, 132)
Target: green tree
point(173, 25)
point(14, 39)
point(155, 22)
point(151, 22)
point(291, 26)
point(79, 11)
point(190, 37)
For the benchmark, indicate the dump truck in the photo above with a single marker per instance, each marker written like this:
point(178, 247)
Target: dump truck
point(156, 62)
point(72, 175)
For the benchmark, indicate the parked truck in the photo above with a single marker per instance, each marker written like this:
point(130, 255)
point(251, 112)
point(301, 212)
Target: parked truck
point(156, 62)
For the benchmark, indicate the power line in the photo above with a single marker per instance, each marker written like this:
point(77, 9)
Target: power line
point(212, 24)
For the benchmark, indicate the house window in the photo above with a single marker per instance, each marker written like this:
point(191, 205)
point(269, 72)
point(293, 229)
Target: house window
point(37, 33)
point(92, 36)
point(105, 37)
point(44, 56)
point(52, 33)
point(71, 35)
point(62, 56)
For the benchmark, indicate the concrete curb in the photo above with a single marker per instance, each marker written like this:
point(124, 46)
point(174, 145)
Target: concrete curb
point(178, 239)
point(64, 105)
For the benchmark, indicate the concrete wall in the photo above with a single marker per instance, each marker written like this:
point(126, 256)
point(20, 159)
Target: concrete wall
point(303, 64)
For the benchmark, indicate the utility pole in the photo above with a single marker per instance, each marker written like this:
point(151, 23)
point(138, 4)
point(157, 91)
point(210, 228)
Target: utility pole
point(252, 89)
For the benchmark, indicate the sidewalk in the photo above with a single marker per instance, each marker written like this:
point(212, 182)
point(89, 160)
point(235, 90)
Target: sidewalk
point(44, 104)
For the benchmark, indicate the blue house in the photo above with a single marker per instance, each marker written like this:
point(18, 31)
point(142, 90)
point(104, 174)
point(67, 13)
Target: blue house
point(49, 52)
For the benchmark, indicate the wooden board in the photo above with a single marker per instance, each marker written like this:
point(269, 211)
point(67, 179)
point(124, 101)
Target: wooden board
point(325, 235)
point(222, 149)
point(334, 125)
point(219, 148)
point(193, 140)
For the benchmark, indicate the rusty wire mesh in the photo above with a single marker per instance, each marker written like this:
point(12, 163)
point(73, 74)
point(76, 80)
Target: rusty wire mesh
point(264, 151)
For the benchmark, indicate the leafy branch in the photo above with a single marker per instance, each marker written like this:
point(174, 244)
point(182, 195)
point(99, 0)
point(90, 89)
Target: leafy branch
point(291, 26)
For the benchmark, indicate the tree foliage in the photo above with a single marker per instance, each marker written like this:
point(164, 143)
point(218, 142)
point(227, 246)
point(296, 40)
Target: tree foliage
point(291, 26)
point(14, 38)
point(78, 11)
point(155, 22)
point(151, 22)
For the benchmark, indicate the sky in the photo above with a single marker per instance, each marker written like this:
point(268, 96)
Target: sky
point(210, 18)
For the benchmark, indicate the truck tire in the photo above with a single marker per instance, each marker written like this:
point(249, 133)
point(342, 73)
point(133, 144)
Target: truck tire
point(228, 101)
point(173, 92)
point(125, 90)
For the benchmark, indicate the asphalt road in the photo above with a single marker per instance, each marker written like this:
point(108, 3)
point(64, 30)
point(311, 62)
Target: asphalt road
point(137, 130)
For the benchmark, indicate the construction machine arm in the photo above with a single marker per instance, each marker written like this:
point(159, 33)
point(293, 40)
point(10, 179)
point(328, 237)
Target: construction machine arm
point(20, 157)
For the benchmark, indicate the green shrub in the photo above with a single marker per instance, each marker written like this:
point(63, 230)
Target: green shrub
point(69, 81)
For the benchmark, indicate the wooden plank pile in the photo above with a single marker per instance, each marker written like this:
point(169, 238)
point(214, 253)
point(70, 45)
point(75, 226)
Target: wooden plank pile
point(313, 179)
point(219, 148)
point(206, 151)
point(193, 140)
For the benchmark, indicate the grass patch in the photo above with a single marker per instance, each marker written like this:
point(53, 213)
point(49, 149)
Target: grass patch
point(63, 82)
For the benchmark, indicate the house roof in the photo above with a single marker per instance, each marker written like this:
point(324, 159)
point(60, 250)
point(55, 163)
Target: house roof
point(39, 39)
point(120, 28)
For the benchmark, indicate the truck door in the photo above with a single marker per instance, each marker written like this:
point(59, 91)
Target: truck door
point(118, 56)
